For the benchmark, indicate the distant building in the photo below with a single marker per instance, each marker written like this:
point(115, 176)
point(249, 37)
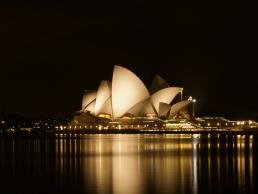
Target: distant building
point(223, 123)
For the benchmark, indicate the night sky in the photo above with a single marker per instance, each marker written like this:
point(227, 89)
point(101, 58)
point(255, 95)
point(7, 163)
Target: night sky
point(51, 51)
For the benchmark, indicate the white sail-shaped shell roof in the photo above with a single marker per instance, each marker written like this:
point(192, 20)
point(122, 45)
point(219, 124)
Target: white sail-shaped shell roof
point(165, 95)
point(106, 108)
point(178, 106)
point(158, 84)
point(91, 107)
point(164, 108)
point(104, 92)
point(142, 108)
point(88, 97)
point(127, 91)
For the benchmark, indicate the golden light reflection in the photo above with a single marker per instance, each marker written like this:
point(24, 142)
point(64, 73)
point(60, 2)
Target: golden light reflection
point(172, 163)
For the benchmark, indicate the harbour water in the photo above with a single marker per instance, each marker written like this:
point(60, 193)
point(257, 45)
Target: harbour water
point(129, 164)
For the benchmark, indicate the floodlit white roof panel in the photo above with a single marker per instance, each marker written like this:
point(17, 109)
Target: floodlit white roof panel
point(165, 95)
point(103, 94)
point(127, 91)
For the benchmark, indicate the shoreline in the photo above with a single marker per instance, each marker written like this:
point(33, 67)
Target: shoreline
point(55, 134)
point(128, 131)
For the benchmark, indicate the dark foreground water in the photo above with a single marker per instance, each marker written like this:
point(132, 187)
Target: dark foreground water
point(129, 164)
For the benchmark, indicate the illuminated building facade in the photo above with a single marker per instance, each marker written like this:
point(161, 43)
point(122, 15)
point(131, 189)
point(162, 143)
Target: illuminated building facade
point(127, 98)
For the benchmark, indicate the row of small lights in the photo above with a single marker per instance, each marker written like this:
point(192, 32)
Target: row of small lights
point(233, 124)
point(135, 126)
point(102, 127)
point(61, 127)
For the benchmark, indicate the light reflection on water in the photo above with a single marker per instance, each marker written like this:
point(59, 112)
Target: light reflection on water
point(125, 164)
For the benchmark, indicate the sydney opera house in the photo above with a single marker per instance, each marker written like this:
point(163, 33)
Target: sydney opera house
point(127, 102)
